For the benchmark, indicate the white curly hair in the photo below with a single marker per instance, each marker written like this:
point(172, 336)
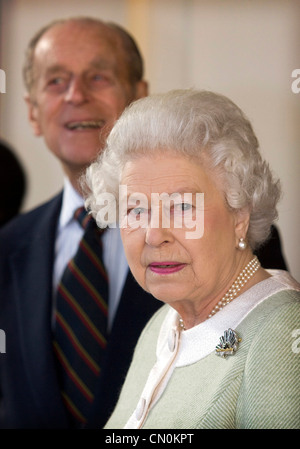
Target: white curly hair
point(202, 125)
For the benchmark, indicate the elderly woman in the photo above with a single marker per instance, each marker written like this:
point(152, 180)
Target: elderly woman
point(195, 200)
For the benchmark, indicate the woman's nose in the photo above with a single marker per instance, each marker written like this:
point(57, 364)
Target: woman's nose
point(158, 232)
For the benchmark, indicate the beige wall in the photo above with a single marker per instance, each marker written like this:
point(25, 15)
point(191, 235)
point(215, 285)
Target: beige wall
point(244, 49)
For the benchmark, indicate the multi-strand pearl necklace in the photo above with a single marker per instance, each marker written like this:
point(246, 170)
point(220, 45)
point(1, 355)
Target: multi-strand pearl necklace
point(244, 276)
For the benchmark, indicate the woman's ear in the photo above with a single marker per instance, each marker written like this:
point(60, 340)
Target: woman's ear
point(241, 225)
point(33, 115)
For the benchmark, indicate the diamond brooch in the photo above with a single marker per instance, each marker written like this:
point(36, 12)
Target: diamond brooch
point(228, 343)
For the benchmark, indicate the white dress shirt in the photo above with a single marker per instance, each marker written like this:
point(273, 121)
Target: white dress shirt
point(69, 233)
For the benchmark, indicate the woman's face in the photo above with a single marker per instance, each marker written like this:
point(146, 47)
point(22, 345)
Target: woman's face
point(163, 260)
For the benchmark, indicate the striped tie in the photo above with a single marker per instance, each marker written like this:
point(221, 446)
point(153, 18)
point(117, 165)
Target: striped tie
point(81, 321)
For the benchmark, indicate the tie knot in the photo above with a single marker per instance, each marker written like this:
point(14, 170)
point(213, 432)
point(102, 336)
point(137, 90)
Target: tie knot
point(82, 216)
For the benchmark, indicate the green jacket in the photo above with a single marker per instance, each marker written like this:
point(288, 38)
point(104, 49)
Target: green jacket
point(257, 387)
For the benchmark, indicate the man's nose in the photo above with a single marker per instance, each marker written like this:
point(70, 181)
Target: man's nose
point(77, 91)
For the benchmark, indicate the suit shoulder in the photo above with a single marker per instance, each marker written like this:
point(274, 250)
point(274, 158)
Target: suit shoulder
point(20, 227)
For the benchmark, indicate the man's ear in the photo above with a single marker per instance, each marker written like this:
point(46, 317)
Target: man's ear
point(141, 90)
point(241, 224)
point(33, 115)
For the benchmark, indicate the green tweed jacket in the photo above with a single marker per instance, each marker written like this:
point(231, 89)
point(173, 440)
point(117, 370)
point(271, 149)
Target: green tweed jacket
point(178, 381)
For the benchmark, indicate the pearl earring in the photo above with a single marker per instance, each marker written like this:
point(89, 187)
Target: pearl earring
point(242, 244)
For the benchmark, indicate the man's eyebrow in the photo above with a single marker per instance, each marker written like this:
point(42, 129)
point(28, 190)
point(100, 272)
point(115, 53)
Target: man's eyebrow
point(102, 64)
point(55, 69)
point(95, 64)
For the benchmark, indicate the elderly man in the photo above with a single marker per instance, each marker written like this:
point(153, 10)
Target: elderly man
point(80, 74)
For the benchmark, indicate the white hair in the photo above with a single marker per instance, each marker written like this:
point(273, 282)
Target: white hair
point(195, 124)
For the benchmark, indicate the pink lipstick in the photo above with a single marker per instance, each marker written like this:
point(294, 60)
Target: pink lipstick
point(166, 267)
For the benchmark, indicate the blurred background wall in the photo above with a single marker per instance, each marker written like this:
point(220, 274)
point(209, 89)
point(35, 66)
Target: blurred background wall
point(245, 49)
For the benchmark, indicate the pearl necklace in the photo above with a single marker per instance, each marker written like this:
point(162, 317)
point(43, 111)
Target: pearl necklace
point(244, 276)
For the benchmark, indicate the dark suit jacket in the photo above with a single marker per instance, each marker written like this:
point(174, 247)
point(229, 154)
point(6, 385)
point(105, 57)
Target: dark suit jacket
point(29, 390)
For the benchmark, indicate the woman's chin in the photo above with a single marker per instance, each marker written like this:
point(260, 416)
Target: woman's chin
point(166, 295)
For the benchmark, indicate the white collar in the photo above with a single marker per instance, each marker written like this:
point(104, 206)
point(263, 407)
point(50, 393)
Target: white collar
point(70, 202)
point(209, 332)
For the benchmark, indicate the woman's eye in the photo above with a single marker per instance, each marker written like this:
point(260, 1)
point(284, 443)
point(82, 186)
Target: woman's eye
point(137, 211)
point(186, 206)
point(183, 207)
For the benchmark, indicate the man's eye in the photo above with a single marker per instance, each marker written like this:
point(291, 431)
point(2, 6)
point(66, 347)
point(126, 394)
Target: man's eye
point(98, 77)
point(57, 84)
point(56, 81)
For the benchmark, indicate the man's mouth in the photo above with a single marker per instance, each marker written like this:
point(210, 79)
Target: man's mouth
point(84, 124)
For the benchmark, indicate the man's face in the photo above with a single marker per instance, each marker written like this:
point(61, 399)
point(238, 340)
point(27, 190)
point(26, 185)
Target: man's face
point(81, 87)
